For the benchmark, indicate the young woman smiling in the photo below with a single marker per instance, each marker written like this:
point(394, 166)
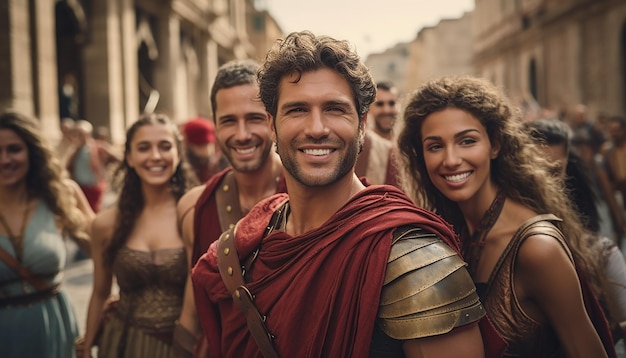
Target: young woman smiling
point(138, 243)
point(467, 156)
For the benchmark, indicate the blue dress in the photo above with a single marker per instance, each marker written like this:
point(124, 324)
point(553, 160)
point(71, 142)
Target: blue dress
point(47, 327)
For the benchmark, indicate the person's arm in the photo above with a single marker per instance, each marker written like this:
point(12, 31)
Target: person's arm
point(460, 342)
point(546, 278)
point(102, 230)
point(84, 243)
point(608, 192)
point(107, 154)
point(615, 267)
point(187, 330)
point(449, 330)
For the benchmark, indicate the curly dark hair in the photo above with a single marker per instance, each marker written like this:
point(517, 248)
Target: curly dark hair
point(131, 202)
point(45, 178)
point(303, 52)
point(520, 169)
point(578, 182)
point(231, 74)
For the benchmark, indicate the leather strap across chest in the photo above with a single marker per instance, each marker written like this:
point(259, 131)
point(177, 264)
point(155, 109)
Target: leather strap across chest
point(227, 200)
point(233, 276)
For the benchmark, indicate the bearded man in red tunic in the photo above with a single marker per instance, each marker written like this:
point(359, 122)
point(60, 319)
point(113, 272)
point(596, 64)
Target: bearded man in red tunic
point(336, 268)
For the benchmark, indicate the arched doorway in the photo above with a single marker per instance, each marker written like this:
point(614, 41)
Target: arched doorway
point(71, 34)
point(147, 55)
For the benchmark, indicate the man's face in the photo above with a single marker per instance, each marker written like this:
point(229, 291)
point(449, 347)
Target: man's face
point(317, 128)
point(384, 110)
point(241, 127)
point(615, 131)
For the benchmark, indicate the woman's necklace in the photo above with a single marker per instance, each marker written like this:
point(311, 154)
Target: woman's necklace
point(17, 241)
point(473, 246)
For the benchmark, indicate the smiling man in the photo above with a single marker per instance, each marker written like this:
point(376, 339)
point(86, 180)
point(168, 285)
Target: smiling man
point(324, 266)
point(377, 159)
point(255, 172)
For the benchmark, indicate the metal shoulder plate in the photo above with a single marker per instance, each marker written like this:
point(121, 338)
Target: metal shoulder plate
point(427, 289)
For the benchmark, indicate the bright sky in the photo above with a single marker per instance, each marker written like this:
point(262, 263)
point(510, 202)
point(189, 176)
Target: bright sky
point(370, 26)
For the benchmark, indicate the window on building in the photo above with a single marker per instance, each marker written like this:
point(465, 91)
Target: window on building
point(533, 85)
point(258, 22)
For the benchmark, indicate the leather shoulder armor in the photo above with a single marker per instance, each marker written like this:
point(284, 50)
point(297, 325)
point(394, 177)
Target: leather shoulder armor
point(427, 289)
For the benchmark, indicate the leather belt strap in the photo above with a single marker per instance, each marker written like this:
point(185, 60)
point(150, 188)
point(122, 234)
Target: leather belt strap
point(232, 274)
point(29, 299)
point(22, 271)
point(227, 201)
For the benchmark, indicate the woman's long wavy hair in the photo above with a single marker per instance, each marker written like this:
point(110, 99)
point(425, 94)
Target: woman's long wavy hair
point(45, 178)
point(520, 170)
point(131, 202)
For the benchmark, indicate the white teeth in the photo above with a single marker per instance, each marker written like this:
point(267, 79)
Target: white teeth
point(317, 151)
point(156, 169)
point(245, 151)
point(457, 177)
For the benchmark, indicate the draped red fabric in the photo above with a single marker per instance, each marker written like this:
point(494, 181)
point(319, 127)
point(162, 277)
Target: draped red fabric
point(206, 222)
point(321, 290)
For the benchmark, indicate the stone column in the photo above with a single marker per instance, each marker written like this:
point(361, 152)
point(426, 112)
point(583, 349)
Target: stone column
point(44, 69)
point(104, 96)
point(166, 81)
point(16, 90)
point(204, 84)
point(212, 63)
point(130, 70)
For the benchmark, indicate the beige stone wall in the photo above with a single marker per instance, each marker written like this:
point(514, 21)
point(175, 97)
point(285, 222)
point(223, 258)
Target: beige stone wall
point(441, 50)
point(262, 29)
point(391, 65)
point(575, 45)
point(193, 37)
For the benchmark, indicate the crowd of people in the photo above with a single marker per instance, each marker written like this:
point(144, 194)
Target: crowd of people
point(318, 213)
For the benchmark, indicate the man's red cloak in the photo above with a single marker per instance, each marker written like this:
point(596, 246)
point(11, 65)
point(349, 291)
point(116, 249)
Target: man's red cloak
point(206, 220)
point(321, 290)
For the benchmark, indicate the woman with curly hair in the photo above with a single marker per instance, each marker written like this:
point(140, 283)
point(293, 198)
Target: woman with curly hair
point(138, 243)
point(467, 156)
point(38, 209)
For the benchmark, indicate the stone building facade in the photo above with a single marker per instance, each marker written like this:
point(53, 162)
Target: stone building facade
point(107, 61)
point(391, 65)
point(557, 52)
point(263, 30)
point(443, 49)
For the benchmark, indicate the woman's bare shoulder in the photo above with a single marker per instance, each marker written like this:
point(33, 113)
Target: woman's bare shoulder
point(105, 220)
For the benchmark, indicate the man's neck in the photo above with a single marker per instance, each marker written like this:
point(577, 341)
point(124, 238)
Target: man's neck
point(313, 206)
point(387, 135)
point(257, 185)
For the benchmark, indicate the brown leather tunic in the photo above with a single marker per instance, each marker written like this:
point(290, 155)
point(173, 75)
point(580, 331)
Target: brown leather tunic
point(151, 285)
point(525, 336)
